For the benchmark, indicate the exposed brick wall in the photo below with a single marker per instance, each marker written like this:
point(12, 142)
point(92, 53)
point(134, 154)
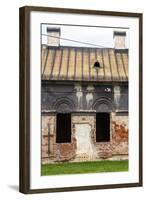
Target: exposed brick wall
point(48, 137)
point(120, 133)
point(64, 151)
point(119, 128)
point(52, 151)
point(58, 152)
point(118, 144)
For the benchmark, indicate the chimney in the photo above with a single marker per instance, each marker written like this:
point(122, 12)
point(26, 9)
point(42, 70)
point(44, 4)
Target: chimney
point(53, 38)
point(119, 39)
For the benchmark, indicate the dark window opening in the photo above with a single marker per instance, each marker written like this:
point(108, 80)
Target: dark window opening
point(63, 132)
point(102, 127)
point(96, 64)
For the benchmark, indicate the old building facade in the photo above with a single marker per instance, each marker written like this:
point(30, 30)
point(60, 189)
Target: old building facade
point(84, 99)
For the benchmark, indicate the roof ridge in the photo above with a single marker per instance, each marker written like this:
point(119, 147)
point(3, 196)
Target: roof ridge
point(79, 47)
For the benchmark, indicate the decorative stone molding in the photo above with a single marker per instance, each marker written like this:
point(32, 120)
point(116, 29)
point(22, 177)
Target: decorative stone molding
point(103, 105)
point(64, 104)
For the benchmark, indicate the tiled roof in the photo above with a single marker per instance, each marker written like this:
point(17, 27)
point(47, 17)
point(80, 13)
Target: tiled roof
point(77, 63)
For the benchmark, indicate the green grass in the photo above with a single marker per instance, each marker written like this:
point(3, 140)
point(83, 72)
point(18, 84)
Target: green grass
point(84, 167)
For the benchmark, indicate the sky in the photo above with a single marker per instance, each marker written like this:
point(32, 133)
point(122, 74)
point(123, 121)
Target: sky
point(99, 36)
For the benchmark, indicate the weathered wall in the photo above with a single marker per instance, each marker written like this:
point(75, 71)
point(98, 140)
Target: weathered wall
point(83, 129)
point(52, 151)
point(57, 152)
point(83, 146)
point(48, 137)
point(117, 148)
point(83, 101)
point(120, 133)
point(77, 97)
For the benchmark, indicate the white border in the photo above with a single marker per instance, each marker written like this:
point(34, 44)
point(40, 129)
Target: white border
point(132, 176)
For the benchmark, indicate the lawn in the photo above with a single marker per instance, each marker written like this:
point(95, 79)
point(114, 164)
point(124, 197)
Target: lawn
point(84, 167)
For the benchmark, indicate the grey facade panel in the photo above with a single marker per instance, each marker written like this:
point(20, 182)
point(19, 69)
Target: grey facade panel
point(77, 97)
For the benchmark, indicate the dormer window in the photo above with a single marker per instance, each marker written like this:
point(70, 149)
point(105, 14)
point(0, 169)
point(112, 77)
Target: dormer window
point(97, 64)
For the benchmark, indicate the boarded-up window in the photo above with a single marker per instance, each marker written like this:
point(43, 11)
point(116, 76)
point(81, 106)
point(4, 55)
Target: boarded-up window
point(102, 127)
point(63, 132)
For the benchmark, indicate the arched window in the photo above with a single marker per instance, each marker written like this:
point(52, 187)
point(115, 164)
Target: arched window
point(64, 107)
